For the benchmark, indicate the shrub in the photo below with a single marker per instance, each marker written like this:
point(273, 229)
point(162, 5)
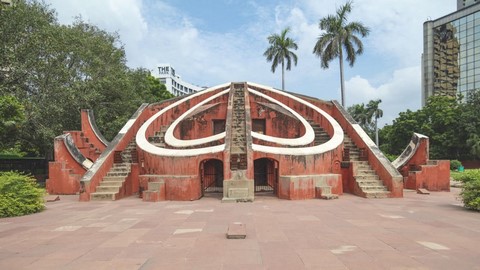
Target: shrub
point(390, 156)
point(470, 195)
point(467, 176)
point(454, 164)
point(19, 195)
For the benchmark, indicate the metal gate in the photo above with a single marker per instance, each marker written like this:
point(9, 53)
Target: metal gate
point(265, 175)
point(212, 176)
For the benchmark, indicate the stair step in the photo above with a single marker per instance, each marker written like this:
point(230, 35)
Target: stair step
point(329, 196)
point(103, 188)
point(366, 172)
point(373, 188)
point(376, 194)
point(120, 169)
point(366, 177)
point(102, 196)
point(369, 182)
point(113, 179)
point(111, 183)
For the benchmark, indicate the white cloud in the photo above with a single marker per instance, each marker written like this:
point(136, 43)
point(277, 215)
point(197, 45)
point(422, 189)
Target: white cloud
point(155, 32)
point(399, 93)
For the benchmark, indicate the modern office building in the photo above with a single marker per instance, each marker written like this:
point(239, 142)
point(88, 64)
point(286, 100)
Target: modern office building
point(451, 52)
point(174, 83)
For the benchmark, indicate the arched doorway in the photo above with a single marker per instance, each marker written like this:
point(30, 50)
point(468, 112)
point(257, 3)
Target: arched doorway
point(265, 175)
point(211, 176)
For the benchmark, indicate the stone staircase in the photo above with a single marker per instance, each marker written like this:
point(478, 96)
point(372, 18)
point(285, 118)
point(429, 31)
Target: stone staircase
point(158, 139)
point(86, 148)
point(238, 146)
point(351, 148)
point(367, 180)
point(111, 185)
point(321, 135)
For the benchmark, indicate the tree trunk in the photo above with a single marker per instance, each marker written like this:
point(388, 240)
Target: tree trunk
point(342, 86)
point(376, 131)
point(283, 76)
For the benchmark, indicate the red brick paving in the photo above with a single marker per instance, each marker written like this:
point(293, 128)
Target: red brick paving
point(416, 232)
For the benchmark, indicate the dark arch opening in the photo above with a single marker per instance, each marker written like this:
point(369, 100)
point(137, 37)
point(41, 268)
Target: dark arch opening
point(265, 175)
point(211, 176)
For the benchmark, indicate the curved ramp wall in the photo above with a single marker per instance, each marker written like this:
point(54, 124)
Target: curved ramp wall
point(91, 131)
point(418, 170)
point(69, 165)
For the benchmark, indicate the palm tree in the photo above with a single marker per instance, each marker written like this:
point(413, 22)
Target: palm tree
point(340, 35)
point(279, 51)
point(375, 112)
point(360, 114)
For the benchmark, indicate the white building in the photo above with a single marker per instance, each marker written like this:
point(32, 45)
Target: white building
point(174, 83)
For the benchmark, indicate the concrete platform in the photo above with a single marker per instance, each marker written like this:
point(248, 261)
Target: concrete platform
point(416, 232)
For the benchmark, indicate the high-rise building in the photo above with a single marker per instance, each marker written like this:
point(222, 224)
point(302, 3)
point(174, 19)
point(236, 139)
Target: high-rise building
point(465, 3)
point(451, 52)
point(174, 82)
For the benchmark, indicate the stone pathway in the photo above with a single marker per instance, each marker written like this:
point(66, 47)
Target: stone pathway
point(416, 232)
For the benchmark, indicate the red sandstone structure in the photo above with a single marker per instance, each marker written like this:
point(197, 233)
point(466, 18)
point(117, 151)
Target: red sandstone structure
point(235, 138)
point(417, 168)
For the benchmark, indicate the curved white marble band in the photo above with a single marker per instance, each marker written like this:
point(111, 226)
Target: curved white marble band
point(334, 142)
point(145, 145)
point(170, 138)
point(307, 138)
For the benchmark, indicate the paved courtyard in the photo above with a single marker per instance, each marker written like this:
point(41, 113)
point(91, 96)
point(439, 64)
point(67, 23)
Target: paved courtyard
point(416, 232)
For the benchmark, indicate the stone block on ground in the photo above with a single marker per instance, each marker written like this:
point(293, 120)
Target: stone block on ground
point(423, 191)
point(52, 198)
point(237, 231)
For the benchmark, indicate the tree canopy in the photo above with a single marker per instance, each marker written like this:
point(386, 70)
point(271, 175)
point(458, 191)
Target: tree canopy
point(451, 124)
point(367, 116)
point(56, 70)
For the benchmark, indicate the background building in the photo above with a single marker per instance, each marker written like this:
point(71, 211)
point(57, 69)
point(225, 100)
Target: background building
point(451, 52)
point(465, 3)
point(174, 83)
point(6, 2)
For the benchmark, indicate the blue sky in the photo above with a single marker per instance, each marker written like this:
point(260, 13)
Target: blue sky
point(210, 42)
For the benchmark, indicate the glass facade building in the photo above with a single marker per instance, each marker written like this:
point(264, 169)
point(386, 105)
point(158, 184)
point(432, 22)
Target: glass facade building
point(451, 56)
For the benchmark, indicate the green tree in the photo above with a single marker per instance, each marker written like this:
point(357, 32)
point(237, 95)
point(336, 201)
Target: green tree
point(396, 136)
point(375, 112)
point(56, 70)
point(150, 88)
point(441, 124)
point(441, 120)
point(360, 114)
point(280, 51)
point(340, 35)
point(12, 118)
